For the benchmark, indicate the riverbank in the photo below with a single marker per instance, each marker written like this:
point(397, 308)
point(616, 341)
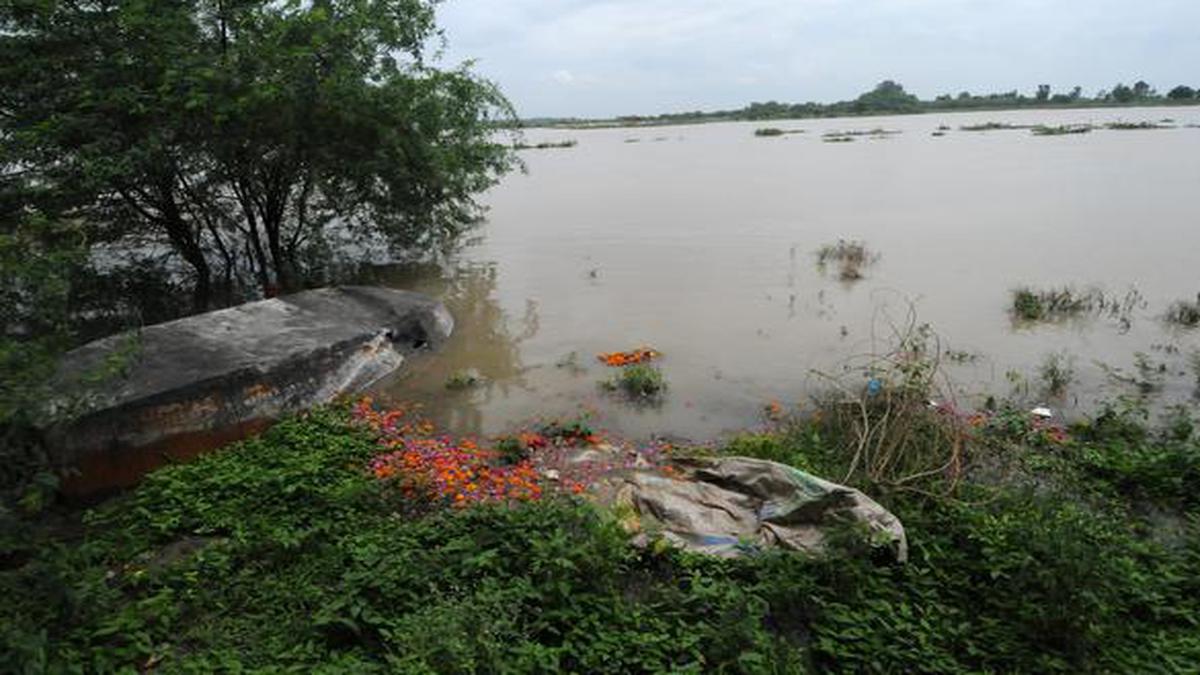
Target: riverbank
point(681, 119)
point(1034, 546)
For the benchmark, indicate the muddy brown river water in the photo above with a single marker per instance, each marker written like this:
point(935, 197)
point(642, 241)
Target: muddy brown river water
point(700, 241)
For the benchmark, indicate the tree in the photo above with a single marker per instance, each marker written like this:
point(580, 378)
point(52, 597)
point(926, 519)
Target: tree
point(1141, 89)
point(1043, 92)
point(1076, 93)
point(1122, 93)
point(886, 96)
point(1181, 93)
point(263, 145)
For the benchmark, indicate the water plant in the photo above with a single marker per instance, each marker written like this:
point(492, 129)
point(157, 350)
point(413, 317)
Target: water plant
point(1061, 130)
point(994, 126)
point(1055, 304)
point(1184, 313)
point(1057, 373)
point(961, 356)
point(1134, 126)
point(546, 145)
point(465, 379)
point(850, 256)
point(837, 139)
point(876, 132)
point(639, 381)
point(775, 131)
point(571, 364)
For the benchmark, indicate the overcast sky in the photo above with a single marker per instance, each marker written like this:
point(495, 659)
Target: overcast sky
point(609, 57)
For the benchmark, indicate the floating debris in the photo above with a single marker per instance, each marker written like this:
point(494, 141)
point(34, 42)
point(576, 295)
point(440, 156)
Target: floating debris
point(639, 355)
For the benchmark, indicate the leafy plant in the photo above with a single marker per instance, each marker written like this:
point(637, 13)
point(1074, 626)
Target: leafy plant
point(285, 552)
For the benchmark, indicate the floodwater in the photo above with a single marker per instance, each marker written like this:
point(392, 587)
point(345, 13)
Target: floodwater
point(700, 241)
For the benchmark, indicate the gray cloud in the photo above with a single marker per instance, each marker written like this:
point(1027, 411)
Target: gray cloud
point(606, 57)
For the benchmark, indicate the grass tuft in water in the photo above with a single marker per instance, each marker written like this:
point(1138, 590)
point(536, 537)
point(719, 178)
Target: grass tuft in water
point(994, 126)
point(1057, 373)
point(638, 381)
point(849, 256)
point(1185, 314)
point(547, 145)
point(1061, 130)
point(464, 379)
point(775, 131)
point(1135, 126)
point(1056, 304)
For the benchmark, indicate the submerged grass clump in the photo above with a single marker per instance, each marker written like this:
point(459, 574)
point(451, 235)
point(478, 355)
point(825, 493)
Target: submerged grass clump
point(775, 131)
point(876, 132)
point(1061, 129)
point(1134, 126)
point(547, 145)
point(1057, 373)
point(994, 126)
point(464, 379)
point(640, 381)
point(850, 257)
point(1056, 304)
point(1184, 313)
point(837, 139)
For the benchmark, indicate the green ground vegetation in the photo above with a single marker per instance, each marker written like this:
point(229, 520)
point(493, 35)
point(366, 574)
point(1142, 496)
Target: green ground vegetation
point(1032, 550)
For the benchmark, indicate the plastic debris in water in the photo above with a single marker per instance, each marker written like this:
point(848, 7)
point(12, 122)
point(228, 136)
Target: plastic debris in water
point(1042, 412)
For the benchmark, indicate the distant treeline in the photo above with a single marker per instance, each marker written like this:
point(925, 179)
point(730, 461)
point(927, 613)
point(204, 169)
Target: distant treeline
point(889, 97)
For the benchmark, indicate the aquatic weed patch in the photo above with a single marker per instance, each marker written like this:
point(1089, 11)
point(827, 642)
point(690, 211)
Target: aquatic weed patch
point(638, 382)
point(766, 132)
point(1056, 304)
point(1137, 126)
point(546, 145)
point(1184, 313)
point(1061, 129)
point(851, 258)
point(994, 126)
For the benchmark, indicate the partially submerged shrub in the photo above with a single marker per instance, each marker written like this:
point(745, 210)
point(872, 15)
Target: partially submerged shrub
point(638, 381)
point(887, 418)
point(1184, 313)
